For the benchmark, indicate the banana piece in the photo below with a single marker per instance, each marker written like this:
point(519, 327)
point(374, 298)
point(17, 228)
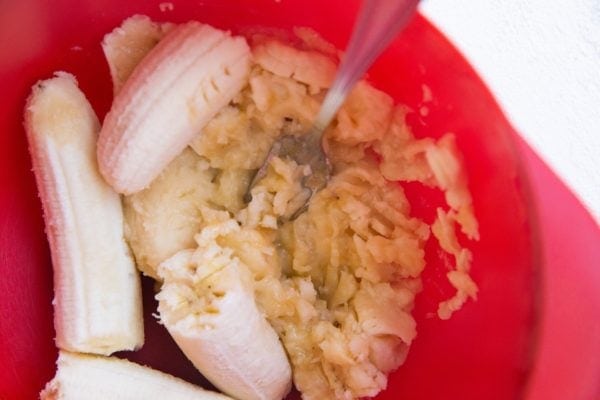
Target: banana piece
point(193, 72)
point(128, 44)
point(97, 303)
point(86, 377)
point(207, 304)
point(310, 67)
point(448, 169)
point(156, 232)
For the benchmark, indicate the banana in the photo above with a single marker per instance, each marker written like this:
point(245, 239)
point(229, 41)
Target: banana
point(87, 377)
point(97, 303)
point(193, 72)
point(448, 169)
point(310, 67)
point(128, 44)
point(156, 232)
point(207, 304)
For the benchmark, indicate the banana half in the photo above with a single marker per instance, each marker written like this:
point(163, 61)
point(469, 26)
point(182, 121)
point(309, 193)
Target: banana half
point(86, 377)
point(207, 304)
point(97, 293)
point(180, 85)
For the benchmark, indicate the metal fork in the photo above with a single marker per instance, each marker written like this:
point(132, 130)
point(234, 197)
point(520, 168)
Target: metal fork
point(378, 22)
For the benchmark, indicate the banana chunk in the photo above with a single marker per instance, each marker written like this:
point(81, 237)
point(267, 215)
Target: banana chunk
point(207, 304)
point(128, 44)
point(193, 72)
point(86, 377)
point(307, 66)
point(97, 303)
point(163, 219)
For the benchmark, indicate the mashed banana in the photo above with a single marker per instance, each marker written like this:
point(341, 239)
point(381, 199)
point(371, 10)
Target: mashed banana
point(338, 283)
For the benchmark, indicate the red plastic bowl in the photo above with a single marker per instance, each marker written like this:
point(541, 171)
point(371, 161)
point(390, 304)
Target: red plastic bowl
point(489, 350)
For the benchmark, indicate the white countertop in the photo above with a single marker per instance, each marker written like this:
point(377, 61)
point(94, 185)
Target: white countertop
point(541, 59)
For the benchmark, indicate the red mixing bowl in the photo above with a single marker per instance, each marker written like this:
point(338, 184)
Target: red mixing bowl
point(503, 346)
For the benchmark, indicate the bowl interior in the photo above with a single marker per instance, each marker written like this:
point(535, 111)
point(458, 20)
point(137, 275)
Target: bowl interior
point(484, 351)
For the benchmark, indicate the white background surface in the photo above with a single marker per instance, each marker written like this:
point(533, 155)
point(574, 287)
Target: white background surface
point(541, 59)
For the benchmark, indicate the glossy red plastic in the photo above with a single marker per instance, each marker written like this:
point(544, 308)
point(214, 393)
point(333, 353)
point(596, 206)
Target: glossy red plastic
point(533, 325)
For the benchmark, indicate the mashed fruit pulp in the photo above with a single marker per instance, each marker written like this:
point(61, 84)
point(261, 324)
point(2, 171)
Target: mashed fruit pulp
point(338, 283)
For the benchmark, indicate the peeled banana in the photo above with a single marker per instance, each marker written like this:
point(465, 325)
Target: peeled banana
point(207, 304)
point(86, 377)
point(193, 72)
point(97, 293)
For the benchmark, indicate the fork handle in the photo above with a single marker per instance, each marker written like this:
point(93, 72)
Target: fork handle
point(378, 22)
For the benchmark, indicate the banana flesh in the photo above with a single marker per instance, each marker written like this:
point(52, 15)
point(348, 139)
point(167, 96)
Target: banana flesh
point(97, 303)
point(156, 232)
point(128, 44)
point(312, 68)
point(87, 377)
point(207, 304)
point(193, 72)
